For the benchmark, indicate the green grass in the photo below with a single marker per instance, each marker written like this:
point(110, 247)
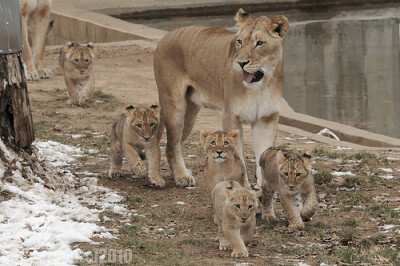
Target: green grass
point(353, 197)
point(323, 177)
point(128, 230)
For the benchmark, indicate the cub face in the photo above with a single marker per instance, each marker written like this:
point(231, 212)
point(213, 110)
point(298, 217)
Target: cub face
point(242, 201)
point(143, 121)
point(80, 57)
point(219, 145)
point(293, 169)
point(258, 46)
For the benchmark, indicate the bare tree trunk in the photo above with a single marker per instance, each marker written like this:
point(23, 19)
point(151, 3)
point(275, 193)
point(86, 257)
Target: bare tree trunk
point(16, 125)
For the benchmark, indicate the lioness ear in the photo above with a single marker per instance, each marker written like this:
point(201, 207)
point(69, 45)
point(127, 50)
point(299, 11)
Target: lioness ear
point(234, 134)
point(279, 25)
point(242, 17)
point(203, 137)
point(51, 25)
point(129, 109)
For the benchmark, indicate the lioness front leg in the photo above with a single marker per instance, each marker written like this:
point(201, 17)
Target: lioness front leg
point(133, 158)
point(263, 135)
point(153, 161)
point(293, 214)
point(32, 73)
point(232, 234)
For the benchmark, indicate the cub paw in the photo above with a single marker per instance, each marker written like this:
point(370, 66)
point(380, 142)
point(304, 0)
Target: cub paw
point(224, 244)
point(269, 217)
point(157, 181)
point(70, 102)
point(240, 254)
point(140, 169)
point(185, 181)
point(34, 76)
point(46, 74)
point(113, 173)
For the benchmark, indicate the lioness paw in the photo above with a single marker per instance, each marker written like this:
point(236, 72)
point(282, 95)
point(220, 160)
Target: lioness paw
point(240, 254)
point(224, 245)
point(157, 181)
point(46, 74)
point(295, 226)
point(34, 76)
point(269, 217)
point(185, 181)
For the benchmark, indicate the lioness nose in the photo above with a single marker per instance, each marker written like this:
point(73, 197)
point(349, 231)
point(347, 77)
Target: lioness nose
point(242, 64)
point(146, 138)
point(291, 187)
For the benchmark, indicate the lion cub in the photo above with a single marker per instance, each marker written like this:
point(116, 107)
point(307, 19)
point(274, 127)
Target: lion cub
point(289, 174)
point(235, 209)
point(76, 63)
point(137, 129)
point(223, 162)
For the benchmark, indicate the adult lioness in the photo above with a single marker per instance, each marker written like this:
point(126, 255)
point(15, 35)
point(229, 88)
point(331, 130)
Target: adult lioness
point(240, 74)
point(35, 17)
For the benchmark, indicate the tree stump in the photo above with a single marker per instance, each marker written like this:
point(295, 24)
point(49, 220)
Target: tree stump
point(16, 125)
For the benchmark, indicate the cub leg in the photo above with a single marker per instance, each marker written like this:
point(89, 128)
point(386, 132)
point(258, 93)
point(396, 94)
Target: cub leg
point(153, 154)
point(310, 205)
point(263, 136)
point(136, 164)
point(247, 231)
point(72, 92)
point(292, 212)
point(239, 249)
point(87, 93)
point(26, 52)
point(116, 159)
point(268, 212)
point(223, 242)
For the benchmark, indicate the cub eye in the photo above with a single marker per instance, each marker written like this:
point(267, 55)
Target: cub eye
point(76, 60)
point(239, 42)
point(213, 143)
point(250, 206)
point(286, 173)
point(139, 126)
point(86, 60)
point(298, 174)
point(259, 43)
point(237, 206)
point(152, 124)
point(226, 143)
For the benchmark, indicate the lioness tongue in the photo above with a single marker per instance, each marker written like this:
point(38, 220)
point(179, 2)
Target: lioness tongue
point(247, 76)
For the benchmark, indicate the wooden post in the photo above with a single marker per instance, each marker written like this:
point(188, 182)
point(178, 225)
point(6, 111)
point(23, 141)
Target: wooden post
point(16, 125)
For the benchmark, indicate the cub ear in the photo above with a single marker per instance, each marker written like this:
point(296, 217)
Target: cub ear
point(308, 157)
point(263, 159)
point(256, 189)
point(234, 134)
point(232, 184)
point(156, 110)
point(280, 156)
point(241, 17)
point(279, 25)
point(203, 136)
point(129, 109)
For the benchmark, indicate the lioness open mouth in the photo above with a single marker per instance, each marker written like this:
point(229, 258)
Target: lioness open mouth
point(252, 77)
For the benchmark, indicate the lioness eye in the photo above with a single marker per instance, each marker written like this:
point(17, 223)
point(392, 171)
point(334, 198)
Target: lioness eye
point(76, 60)
point(298, 174)
point(226, 143)
point(213, 143)
point(259, 43)
point(286, 173)
point(237, 206)
point(139, 126)
point(250, 206)
point(239, 42)
point(152, 124)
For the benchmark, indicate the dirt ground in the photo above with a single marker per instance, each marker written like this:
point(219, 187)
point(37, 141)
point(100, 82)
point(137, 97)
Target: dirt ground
point(351, 225)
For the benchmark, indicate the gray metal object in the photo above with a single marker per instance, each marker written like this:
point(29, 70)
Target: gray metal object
point(10, 27)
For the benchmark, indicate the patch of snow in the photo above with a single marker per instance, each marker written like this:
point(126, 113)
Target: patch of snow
point(348, 173)
point(310, 142)
point(387, 177)
point(338, 148)
point(303, 138)
point(192, 187)
point(393, 159)
point(38, 223)
point(327, 133)
point(387, 170)
point(77, 136)
point(180, 203)
point(191, 156)
point(154, 205)
point(289, 138)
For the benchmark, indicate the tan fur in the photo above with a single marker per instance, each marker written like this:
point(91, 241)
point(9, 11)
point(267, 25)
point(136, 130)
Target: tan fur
point(199, 67)
point(223, 162)
point(76, 63)
point(35, 18)
point(137, 129)
point(289, 174)
point(235, 214)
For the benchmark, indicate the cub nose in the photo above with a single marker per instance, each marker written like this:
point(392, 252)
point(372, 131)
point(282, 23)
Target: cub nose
point(242, 64)
point(82, 70)
point(291, 187)
point(146, 138)
point(244, 220)
point(219, 152)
